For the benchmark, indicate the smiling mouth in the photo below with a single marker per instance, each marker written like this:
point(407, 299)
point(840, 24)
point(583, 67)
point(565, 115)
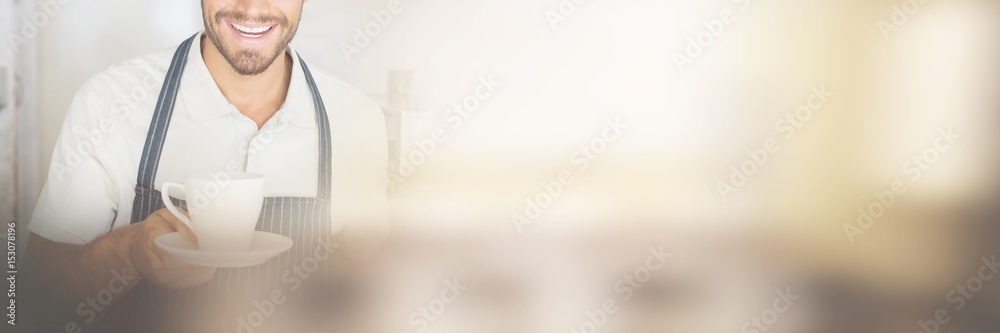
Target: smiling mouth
point(251, 32)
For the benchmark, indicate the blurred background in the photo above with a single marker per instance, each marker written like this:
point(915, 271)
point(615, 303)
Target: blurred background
point(839, 95)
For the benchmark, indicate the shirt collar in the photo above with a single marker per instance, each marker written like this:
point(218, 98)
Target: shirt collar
point(204, 101)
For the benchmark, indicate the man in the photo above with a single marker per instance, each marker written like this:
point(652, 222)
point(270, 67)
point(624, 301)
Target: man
point(235, 94)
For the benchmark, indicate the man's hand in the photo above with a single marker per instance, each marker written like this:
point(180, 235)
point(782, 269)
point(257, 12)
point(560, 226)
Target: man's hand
point(158, 266)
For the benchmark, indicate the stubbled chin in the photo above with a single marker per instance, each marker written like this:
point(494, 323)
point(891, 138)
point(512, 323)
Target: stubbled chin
point(250, 61)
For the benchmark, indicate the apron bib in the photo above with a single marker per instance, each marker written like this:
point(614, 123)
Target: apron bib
point(237, 299)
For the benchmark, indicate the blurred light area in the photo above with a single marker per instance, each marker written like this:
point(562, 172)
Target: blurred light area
point(656, 185)
point(685, 129)
point(935, 74)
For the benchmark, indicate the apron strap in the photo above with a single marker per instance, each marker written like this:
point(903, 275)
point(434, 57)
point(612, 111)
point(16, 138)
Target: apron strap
point(157, 133)
point(323, 124)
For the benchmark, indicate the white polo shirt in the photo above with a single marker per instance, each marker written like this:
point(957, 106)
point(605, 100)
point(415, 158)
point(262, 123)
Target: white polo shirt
point(94, 167)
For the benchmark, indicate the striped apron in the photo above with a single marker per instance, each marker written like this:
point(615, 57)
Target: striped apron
point(238, 299)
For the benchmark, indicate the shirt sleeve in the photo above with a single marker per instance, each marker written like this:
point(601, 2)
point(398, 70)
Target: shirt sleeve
point(77, 203)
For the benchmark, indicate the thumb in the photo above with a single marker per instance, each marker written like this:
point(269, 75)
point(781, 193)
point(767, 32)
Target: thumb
point(179, 225)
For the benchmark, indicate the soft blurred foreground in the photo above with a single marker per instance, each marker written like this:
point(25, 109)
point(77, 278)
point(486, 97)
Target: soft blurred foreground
point(662, 166)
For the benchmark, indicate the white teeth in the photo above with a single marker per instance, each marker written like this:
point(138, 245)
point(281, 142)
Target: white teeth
point(250, 31)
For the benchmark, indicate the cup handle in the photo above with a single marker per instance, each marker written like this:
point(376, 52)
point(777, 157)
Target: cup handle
point(170, 205)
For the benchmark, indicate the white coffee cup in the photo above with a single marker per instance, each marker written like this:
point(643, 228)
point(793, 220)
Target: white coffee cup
point(224, 208)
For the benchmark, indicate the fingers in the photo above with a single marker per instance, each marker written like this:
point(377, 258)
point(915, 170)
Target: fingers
point(165, 269)
point(169, 261)
point(172, 224)
point(177, 225)
point(173, 273)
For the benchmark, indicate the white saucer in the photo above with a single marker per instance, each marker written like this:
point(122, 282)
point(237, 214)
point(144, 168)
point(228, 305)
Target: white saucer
point(263, 246)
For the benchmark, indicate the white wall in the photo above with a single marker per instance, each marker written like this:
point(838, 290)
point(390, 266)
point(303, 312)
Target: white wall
point(19, 168)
